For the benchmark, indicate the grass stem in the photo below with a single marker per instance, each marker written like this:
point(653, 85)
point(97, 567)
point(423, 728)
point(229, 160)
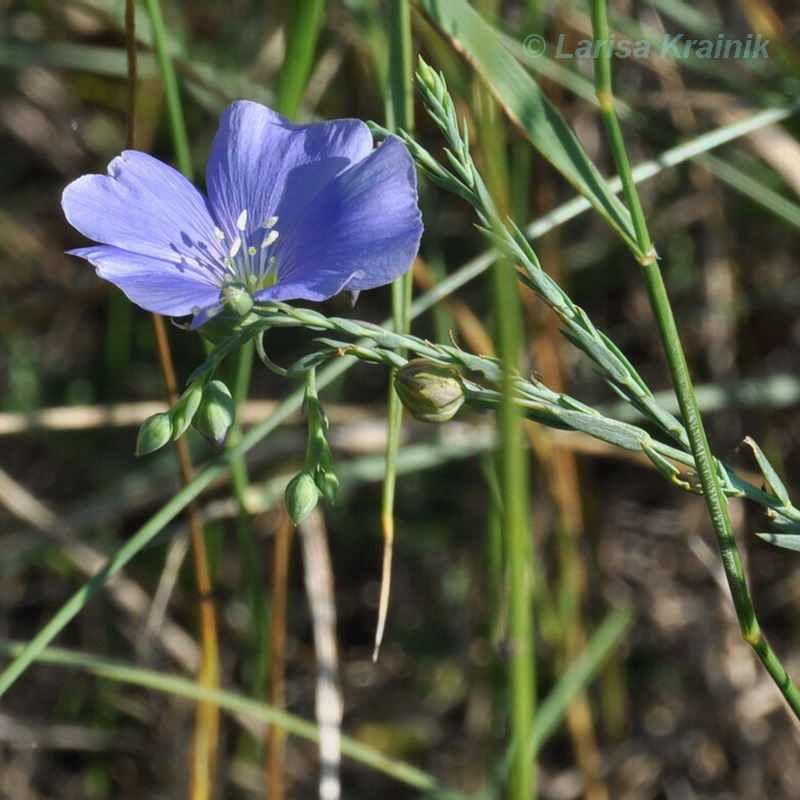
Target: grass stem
point(684, 389)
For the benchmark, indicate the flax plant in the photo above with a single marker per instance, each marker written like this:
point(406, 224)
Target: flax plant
point(698, 442)
point(434, 381)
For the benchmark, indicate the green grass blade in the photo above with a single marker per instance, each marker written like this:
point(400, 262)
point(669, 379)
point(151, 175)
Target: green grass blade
point(177, 124)
point(238, 704)
point(302, 32)
point(757, 190)
point(579, 675)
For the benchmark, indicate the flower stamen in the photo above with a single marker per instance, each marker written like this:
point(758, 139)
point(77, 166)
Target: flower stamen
point(246, 260)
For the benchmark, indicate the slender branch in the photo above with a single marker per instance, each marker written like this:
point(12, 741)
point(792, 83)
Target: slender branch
point(707, 469)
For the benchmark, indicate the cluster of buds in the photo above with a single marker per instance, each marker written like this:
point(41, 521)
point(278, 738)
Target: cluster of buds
point(208, 407)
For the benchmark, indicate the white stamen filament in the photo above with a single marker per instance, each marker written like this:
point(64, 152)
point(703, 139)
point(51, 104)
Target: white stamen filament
point(245, 262)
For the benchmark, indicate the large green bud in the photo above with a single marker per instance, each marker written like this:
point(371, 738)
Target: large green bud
point(215, 414)
point(431, 392)
point(301, 496)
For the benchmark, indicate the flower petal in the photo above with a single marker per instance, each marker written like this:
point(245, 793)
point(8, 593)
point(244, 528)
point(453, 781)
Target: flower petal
point(158, 286)
point(262, 163)
point(362, 231)
point(142, 205)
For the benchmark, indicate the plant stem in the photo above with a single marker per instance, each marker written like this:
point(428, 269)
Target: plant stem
point(180, 138)
point(399, 114)
point(679, 370)
point(512, 461)
point(712, 493)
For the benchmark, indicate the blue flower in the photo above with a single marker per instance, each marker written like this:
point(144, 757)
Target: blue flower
point(293, 211)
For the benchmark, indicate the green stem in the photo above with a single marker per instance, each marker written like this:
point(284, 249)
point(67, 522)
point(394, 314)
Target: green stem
point(679, 370)
point(512, 460)
point(712, 492)
point(154, 526)
point(177, 124)
point(399, 114)
point(400, 100)
point(517, 538)
point(605, 99)
point(244, 529)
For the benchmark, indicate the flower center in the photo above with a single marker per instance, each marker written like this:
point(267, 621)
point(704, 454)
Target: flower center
point(248, 260)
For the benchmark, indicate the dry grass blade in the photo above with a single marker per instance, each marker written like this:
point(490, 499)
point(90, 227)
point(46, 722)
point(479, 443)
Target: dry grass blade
point(319, 588)
point(127, 595)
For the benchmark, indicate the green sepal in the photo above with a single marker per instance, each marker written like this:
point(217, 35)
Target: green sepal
point(228, 324)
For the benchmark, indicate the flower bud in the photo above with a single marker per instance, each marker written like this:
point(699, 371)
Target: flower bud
point(328, 484)
point(426, 74)
point(184, 410)
point(216, 414)
point(155, 432)
point(431, 392)
point(301, 497)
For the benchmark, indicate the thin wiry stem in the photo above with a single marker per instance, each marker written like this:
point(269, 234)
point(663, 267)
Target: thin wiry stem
point(400, 114)
point(684, 389)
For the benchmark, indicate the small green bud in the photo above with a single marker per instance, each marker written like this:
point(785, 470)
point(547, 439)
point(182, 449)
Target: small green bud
point(301, 497)
point(431, 392)
point(155, 432)
point(328, 484)
point(216, 414)
point(184, 410)
point(426, 74)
